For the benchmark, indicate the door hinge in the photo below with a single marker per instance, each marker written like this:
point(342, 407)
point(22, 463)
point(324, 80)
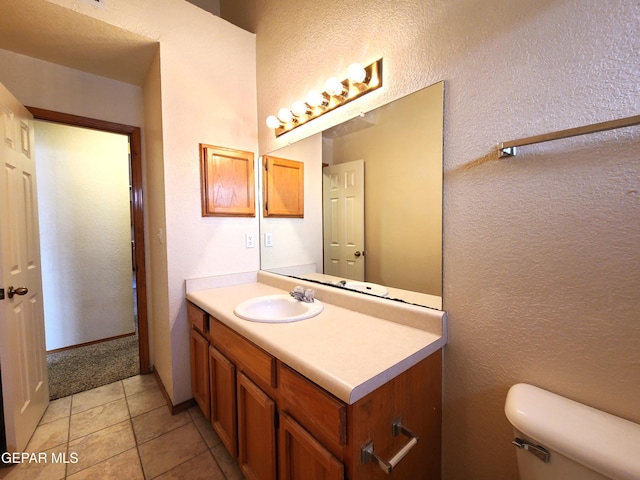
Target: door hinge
point(1, 293)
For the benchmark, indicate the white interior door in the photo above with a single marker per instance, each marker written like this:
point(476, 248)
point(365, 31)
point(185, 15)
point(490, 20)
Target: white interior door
point(25, 385)
point(343, 206)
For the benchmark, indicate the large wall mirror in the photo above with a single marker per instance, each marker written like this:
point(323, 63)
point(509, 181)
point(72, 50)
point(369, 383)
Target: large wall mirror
point(373, 204)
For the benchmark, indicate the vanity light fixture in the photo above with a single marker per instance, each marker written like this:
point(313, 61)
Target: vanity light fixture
point(360, 81)
point(285, 115)
point(316, 99)
point(335, 87)
point(273, 122)
point(356, 73)
point(300, 109)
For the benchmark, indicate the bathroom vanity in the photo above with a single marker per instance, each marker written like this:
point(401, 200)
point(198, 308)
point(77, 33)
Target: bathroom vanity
point(354, 392)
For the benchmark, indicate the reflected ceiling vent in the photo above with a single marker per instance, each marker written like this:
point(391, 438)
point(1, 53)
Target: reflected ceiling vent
point(362, 121)
point(97, 3)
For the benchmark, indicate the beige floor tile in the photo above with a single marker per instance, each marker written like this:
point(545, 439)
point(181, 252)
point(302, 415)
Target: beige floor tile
point(170, 450)
point(124, 466)
point(195, 412)
point(227, 463)
point(49, 435)
point(139, 383)
point(101, 445)
point(50, 467)
point(156, 422)
point(202, 467)
point(97, 418)
point(208, 433)
point(97, 396)
point(56, 410)
point(145, 401)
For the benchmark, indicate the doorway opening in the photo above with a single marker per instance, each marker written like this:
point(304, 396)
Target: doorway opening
point(138, 278)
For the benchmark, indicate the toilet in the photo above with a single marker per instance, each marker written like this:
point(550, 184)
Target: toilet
point(559, 439)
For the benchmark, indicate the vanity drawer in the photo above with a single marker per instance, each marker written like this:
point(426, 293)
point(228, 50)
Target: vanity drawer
point(248, 358)
point(322, 414)
point(197, 318)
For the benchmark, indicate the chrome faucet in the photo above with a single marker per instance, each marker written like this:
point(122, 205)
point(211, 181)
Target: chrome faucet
point(299, 293)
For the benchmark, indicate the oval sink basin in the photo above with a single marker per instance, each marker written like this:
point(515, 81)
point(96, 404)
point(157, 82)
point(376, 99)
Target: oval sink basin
point(372, 288)
point(277, 309)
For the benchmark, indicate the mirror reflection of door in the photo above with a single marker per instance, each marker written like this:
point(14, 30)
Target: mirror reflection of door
point(343, 207)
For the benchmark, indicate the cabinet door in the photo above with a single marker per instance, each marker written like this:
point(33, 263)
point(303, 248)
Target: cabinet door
point(256, 431)
point(283, 185)
point(200, 371)
point(302, 456)
point(222, 378)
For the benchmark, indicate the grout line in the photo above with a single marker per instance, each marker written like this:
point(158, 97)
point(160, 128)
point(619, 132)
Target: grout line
point(66, 467)
point(135, 437)
point(190, 420)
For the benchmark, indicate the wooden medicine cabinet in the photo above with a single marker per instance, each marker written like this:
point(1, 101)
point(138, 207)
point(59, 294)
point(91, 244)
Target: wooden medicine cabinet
point(227, 182)
point(283, 186)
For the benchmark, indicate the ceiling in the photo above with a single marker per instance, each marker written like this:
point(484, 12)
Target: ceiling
point(242, 13)
point(49, 32)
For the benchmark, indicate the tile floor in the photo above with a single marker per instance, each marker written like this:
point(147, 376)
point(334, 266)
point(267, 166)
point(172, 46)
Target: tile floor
point(124, 431)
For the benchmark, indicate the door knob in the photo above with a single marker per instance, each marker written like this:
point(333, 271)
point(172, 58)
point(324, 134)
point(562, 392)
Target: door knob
point(17, 291)
point(358, 253)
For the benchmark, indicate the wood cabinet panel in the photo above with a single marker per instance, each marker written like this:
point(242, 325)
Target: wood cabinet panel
point(318, 436)
point(198, 318)
point(283, 185)
point(414, 396)
point(320, 412)
point(302, 456)
point(256, 431)
point(258, 364)
point(227, 182)
point(222, 378)
point(199, 353)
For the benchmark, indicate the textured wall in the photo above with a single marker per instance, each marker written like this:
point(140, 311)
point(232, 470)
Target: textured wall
point(201, 89)
point(541, 264)
point(85, 234)
point(203, 86)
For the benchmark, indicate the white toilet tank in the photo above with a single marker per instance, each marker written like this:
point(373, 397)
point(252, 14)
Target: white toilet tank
point(582, 443)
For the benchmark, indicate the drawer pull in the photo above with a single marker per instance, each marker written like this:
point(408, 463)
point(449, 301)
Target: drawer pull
point(367, 454)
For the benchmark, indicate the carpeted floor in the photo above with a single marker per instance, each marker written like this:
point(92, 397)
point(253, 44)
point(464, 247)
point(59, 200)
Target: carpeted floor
point(84, 368)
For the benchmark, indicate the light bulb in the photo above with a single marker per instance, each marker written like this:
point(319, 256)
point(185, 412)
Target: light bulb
point(299, 108)
point(314, 98)
point(356, 73)
point(272, 121)
point(334, 87)
point(285, 115)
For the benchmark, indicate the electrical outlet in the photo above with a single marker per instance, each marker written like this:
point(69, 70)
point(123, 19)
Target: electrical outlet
point(250, 240)
point(268, 240)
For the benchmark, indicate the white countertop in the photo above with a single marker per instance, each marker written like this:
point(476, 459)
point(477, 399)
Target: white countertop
point(346, 352)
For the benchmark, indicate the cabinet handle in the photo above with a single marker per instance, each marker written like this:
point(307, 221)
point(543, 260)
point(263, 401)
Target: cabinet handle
point(367, 454)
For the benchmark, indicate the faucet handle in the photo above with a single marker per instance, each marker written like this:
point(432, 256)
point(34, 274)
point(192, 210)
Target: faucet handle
point(308, 295)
